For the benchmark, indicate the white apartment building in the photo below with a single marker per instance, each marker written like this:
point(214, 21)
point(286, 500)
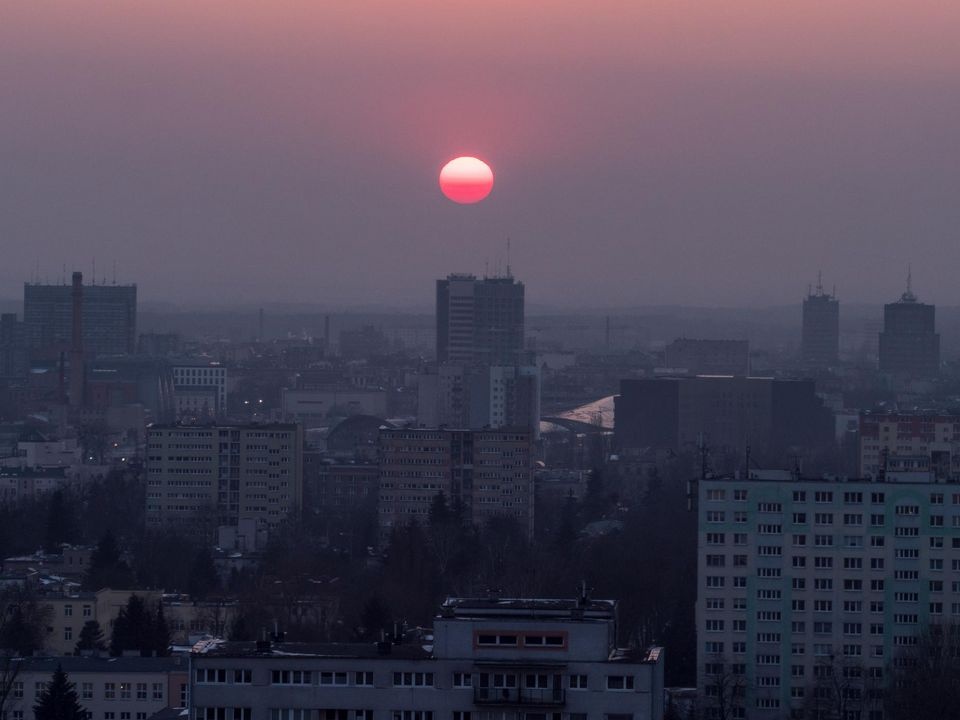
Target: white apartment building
point(200, 477)
point(488, 659)
point(807, 589)
point(200, 388)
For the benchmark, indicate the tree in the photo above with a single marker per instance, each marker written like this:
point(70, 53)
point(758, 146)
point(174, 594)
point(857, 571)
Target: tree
point(202, 579)
point(724, 688)
point(924, 682)
point(61, 524)
point(91, 638)
point(138, 629)
point(107, 568)
point(23, 622)
point(9, 671)
point(59, 700)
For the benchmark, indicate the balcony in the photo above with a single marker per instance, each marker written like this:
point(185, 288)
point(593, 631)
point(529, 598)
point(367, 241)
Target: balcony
point(519, 696)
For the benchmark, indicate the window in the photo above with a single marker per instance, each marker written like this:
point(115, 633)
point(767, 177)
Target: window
point(86, 691)
point(333, 678)
point(240, 677)
point(141, 691)
point(157, 693)
point(492, 640)
point(281, 714)
point(68, 633)
point(364, 678)
point(413, 679)
point(578, 682)
point(291, 677)
point(124, 691)
point(621, 682)
point(109, 691)
point(462, 680)
point(715, 516)
point(211, 675)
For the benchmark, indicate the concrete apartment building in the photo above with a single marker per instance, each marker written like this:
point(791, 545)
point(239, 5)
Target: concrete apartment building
point(488, 659)
point(125, 688)
point(200, 477)
point(479, 320)
point(807, 589)
point(489, 471)
point(820, 333)
point(109, 317)
point(923, 445)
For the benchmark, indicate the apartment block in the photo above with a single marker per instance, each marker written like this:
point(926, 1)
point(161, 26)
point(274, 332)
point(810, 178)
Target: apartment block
point(808, 589)
point(489, 659)
point(205, 476)
point(490, 472)
point(200, 388)
point(922, 445)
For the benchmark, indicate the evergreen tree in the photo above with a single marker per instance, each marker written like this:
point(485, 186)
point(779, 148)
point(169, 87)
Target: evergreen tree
point(61, 525)
point(59, 700)
point(160, 640)
point(203, 575)
point(107, 568)
point(91, 638)
point(133, 629)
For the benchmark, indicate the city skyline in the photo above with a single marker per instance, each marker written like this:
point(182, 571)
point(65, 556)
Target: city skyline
point(661, 154)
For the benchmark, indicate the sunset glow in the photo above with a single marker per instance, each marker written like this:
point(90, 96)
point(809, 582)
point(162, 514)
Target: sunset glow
point(466, 180)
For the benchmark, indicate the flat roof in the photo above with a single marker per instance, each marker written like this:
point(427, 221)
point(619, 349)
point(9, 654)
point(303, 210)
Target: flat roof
point(220, 648)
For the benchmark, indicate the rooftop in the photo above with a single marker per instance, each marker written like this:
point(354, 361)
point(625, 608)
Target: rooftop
point(222, 648)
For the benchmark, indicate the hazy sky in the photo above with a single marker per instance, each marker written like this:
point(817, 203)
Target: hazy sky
point(645, 151)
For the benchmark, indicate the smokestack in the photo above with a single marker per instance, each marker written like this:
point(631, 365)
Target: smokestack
point(326, 333)
point(77, 378)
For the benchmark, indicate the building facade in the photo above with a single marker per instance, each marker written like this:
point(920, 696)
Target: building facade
point(489, 659)
point(479, 320)
point(201, 477)
point(924, 445)
point(125, 688)
point(820, 335)
point(109, 317)
point(728, 414)
point(808, 589)
point(200, 388)
point(489, 473)
point(909, 342)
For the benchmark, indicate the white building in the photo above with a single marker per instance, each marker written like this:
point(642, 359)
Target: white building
point(200, 388)
point(489, 659)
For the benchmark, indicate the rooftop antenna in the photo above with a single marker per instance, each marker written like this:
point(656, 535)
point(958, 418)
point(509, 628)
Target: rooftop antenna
point(819, 282)
point(93, 275)
point(508, 257)
point(908, 296)
point(114, 272)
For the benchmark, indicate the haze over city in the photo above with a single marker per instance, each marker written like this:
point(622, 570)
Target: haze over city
point(645, 153)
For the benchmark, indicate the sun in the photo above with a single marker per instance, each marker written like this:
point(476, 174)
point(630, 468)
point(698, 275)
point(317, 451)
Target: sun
point(466, 180)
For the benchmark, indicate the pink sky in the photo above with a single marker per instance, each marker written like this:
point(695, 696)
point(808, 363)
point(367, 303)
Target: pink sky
point(645, 152)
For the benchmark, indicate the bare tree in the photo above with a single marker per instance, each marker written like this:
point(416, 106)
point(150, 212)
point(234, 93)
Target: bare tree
point(924, 683)
point(841, 689)
point(724, 688)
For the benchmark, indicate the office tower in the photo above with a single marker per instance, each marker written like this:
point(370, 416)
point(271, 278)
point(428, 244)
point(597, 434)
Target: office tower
point(489, 658)
point(489, 473)
point(772, 417)
point(479, 320)
point(708, 357)
point(203, 477)
point(820, 338)
point(909, 342)
point(109, 317)
point(808, 590)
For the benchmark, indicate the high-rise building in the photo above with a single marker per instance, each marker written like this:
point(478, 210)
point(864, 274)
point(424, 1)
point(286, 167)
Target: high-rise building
point(488, 473)
point(13, 347)
point(479, 320)
point(809, 589)
point(205, 476)
point(820, 338)
point(109, 317)
point(200, 388)
point(909, 342)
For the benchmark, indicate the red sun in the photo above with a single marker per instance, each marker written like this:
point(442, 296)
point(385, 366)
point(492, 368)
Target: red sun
point(466, 180)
